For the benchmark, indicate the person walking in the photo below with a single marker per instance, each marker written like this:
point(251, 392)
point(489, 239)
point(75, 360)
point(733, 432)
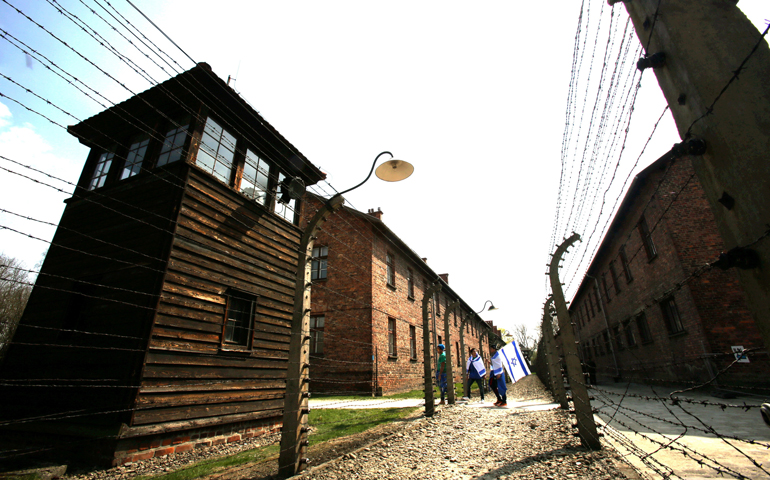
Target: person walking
point(441, 373)
point(476, 372)
point(498, 376)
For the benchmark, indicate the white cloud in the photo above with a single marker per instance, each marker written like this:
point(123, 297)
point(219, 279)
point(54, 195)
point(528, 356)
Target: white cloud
point(5, 115)
point(20, 193)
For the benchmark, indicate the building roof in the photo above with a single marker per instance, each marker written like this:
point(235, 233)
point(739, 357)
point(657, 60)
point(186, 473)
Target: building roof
point(183, 94)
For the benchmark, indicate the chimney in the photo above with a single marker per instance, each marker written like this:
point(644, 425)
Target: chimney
point(377, 214)
point(444, 277)
point(425, 259)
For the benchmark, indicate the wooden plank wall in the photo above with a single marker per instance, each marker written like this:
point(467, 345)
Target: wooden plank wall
point(223, 241)
point(83, 336)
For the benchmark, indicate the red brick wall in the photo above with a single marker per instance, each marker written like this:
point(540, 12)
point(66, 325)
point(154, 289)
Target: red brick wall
point(712, 306)
point(357, 302)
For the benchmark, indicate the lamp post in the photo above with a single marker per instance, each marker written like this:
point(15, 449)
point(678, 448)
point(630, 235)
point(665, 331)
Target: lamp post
point(462, 342)
point(295, 410)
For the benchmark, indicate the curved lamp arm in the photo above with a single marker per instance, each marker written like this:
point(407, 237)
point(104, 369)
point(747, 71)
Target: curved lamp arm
point(370, 172)
point(491, 307)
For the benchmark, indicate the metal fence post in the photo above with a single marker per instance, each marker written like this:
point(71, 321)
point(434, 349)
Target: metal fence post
point(294, 442)
point(430, 408)
point(585, 418)
point(449, 369)
point(552, 357)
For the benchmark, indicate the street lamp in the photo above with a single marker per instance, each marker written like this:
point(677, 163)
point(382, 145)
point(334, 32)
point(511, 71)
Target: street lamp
point(490, 309)
point(295, 410)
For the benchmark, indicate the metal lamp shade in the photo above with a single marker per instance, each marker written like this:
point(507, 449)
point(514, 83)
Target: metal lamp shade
point(394, 170)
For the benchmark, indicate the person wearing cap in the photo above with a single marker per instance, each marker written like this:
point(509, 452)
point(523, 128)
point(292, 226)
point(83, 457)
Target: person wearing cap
point(498, 374)
point(476, 372)
point(441, 372)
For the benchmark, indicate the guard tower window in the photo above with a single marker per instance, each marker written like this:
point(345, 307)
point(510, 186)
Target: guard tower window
point(101, 170)
point(135, 157)
point(217, 151)
point(173, 142)
point(239, 320)
point(256, 175)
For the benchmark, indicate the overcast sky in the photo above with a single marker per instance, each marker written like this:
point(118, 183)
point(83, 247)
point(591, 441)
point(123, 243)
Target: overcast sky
point(472, 94)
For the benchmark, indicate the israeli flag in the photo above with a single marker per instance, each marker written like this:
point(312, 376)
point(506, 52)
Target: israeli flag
point(514, 362)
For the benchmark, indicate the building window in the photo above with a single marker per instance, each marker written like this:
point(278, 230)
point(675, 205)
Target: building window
point(591, 303)
point(409, 283)
point(217, 151)
point(412, 342)
point(624, 262)
point(101, 170)
point(287, 210)
point(606, 288)
point(644, 329)
point(607, 345)
point(135, 157)
point(437, 303)
point(618, 337)
point(649, 245)
point(392, 337)
point(630, 338)
point(457, 354)
point(173, 143)
point(585, 308)
point(255, 181)
point(671, 315)
point(317, 335)
point(239, 320)
point(319, 263)
point(390, 265)
point(614, 274)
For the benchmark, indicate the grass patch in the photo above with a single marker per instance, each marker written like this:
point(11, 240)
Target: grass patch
point(329, 424)
point(208, 467)
point(333, 423)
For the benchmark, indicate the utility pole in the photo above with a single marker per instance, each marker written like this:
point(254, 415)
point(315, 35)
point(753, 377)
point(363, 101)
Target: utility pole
point(696, 48)
point(552, 357)
point(589, 437)
point(430, 408)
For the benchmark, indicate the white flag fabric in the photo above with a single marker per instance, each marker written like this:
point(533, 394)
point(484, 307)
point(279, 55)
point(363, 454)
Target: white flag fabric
point(514, 362)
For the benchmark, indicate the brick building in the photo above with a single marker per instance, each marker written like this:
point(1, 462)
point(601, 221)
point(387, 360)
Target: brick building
point(649, 308)
point(366, 320)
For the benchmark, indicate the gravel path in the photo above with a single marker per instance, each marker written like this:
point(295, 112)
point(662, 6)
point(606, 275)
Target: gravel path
point(458, 442)
point(481, 443)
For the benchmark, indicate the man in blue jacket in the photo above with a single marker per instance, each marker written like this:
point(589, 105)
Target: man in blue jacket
point(476, 372)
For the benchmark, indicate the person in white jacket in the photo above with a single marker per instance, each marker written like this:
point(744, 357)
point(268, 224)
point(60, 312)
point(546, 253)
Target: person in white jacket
point(498, 373)
point(476, 372)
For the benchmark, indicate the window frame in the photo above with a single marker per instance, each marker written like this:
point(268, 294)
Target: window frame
point(134, 161)
point(177, 129)
point(671, 316)
point(317, 333)
point(614, 276)
point(101, 171)
point(643, 326)
point(628, 329)
point(412, 342)
point(647, 241)
point(606, 287)
point(319, 263)
point(409, 284)
point(390, 269)
point(229, 345)
point(392, 338)
point(624, 263)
